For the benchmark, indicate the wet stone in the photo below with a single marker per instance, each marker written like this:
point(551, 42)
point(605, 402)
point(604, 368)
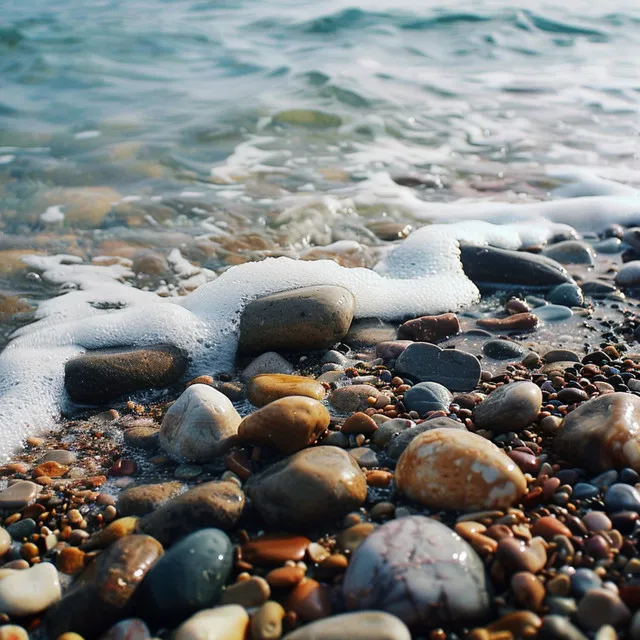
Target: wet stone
point(622, 497)
point(131, 629)
point(453, 369)
point(309, 600)
point(310, 317)
point(553, 313)
point(311, 487)
point(365, 457)
point(561, 355)
point(359, 422)
point(427, 396)
point(30, 591)
point(583, 580)
point(61, 456)
point(571, 252)
point(352, 397)
point(603, 433)
point(266, 388)
point(389, 429)
point(266, 623)
point(188, 578)
point(511, 407)
point(365, 625)
point(369, 331)
point(212, 504)
point(391, 349)
point(443, 581)
point(502, 350)
point(275, 550)
point(200, 425)
point(430, 328)
point(142, 437)
point(141, 500)
point(600, 607)
point(629, 275)
point(19, 495)
point(99, 376)
point(252, 592)
point(451, 468)
point(568, 295)
point(519, 322)
point(229, 622)
point(398, 444)
point(518, 555)
point(269, 362)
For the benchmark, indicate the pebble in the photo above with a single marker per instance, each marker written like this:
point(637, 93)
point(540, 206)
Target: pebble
point(603, 433)
point(306, 318)
point(141, 500)
point(391, 349)
point(285, 577)
point(105, 588)
point(549, 526)
point(99, 376)
point(528, 590)
point(561, 355)
point(502, 350)
point(353, 397)
point(454, 369)
point(451, 468)
point(19, 495)
point(269, 362)
point(275, 549)
point(252, 592)
point(553, 313)
point(212, 504)
point(598, 288)
point(571, 252)
point(567, 294)
point(287, 424)
point(427, 396)
point(130, 629)
point(493, 267)
point(266, 622)
point(361, 625)
point(221, 623)
point(369, 332)
point(5, 541)
point(583, 580)
point(629, 275)
point(350, 539)
point(61, 456)
point(142, 436)
point(597, 521)
point(556, 627)
point(309, 600)
point(512, 407)
point(398, 444)
point(518, 555)
point(267, 387)
point(389, 429)
point(30, 591)
point(200, 425)
point(600, 607)
point(622, 497)
point(22, 529)
point(517, 322)
point(188, 578)
point(430, 328)
point(365, 457)
point(13, 632)
point(359, 422)
point(311, 487)
point(410, 566)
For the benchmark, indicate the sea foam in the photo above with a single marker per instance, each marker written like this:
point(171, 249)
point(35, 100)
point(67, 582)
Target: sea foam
point(423, 274)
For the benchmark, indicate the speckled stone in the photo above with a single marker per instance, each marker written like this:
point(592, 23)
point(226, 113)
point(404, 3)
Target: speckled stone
point(512, 407)
point(361, 625)
point(603, 433)
point(455, 469)
point(311, 487)
point(419, 570)
point(200, 425)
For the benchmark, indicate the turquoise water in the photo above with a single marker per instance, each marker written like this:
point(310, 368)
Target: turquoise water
point(152, 124)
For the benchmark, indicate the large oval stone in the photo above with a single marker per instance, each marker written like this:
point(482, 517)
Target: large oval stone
point(311, 487)
point(268, 387)
point(288, 424)
point(220, 623)
point(30, 591)
point(512, 407)
point(454, 369)
point(212, 504)
point(419, 570)
point(603, 433)
point(304, 318)
point(199, 425)
point(103, 594)
point(190, 577)
point(456, 469)
point(99, 376)
point(361, 625)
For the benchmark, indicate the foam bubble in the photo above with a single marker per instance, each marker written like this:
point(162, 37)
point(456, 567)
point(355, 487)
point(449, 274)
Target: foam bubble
point(421, 275)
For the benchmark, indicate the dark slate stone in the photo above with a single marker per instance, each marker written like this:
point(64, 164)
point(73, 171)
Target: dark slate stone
point(622, 497)
point(402, 440)
point(427, 396)
point(567, 294)
point(502, 350)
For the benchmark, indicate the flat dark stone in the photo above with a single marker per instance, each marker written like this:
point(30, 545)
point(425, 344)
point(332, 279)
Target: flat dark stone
point(97, 377)
point(454, 369)
point(490, 267)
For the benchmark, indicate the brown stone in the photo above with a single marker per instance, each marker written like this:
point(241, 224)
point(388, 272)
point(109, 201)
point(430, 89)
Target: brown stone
point(528, 591)
point(518, 555)
point(430, 328)
point(105, 588)
point(275, 550)
point(603, 433)
point(359, 422)
point(516, 322)
point(549, 526)
point(353, 397)
point(288, 424)
point(267, 387)
point(51, 469)
point(309, 601)
point(248, 593)
point(212, 504)
point(266, 623)
point(116, 530)
point(143, 436)
point(139, 501)
point(285, 577)
point(71, 560)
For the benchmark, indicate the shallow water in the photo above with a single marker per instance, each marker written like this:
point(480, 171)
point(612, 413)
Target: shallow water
point(239, 131)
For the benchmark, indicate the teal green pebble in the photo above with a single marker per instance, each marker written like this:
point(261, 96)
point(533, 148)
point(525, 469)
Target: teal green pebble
point(188, 578)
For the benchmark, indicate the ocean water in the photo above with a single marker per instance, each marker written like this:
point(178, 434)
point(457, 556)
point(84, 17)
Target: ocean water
point(213, 134)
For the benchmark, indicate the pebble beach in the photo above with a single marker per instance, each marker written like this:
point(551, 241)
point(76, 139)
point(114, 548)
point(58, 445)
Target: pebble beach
point(319, 322)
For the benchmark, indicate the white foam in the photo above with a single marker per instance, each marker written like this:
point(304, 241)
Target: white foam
point(421, 275)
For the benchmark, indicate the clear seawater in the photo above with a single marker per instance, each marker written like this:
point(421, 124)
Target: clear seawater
point(157, 124)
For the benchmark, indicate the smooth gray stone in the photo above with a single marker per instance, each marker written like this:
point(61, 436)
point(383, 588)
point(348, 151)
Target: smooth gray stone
point(622, 497)
point(555, 627)
point(501, 268)
point(597, 288)
point(398, 444)
point(610, 245)
point(567, 294)
point(427, 396)
point(61, 456)
point(419, 570)
point(388, 430)
point(454, 369)
point(571, 252)
point(502, 350)
point(553, 313)
point(629, 275)
point(361, 625)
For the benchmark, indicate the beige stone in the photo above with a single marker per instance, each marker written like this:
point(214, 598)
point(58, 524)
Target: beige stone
point(229, 622)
